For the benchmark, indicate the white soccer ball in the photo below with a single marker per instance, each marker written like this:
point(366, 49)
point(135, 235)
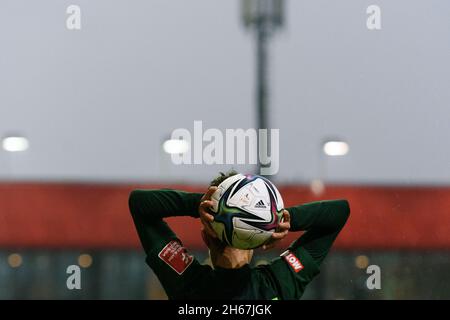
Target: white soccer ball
point(247, 210)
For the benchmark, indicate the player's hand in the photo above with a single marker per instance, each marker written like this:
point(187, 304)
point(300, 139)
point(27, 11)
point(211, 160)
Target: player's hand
point(280, 233)
point(204, 212)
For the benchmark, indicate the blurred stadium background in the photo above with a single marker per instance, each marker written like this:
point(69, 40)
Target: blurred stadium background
point(87, 112)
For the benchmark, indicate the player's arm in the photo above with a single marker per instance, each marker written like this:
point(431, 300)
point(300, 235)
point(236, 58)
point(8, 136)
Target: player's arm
point(322, 221)
point(158, 204)
point(297, 266)
point(149, 207)
point(176, 269)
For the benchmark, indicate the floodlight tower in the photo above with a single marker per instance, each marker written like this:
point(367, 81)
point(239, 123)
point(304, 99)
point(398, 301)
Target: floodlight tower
point(263, 18)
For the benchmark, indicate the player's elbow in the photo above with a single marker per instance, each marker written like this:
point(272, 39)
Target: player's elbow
point(343, 212)
point(133, 202)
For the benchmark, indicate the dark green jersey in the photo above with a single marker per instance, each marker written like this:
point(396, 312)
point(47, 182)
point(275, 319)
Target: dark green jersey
point(183, 277)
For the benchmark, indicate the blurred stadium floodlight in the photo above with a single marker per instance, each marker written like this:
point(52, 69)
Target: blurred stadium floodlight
point(263, 17)
point(335, 148)
point(173, 146)
point(170, 147)
point(317, 187)
point(271, 11)
point(328, 148)
point(15, 143)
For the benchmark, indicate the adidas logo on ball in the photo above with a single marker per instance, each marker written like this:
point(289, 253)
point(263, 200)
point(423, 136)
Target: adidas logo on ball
point(260, 204)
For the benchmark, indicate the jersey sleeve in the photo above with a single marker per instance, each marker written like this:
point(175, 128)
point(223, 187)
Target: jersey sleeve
point(162, 203)
point(322, 221)
point(300, 263)
point(177, 270)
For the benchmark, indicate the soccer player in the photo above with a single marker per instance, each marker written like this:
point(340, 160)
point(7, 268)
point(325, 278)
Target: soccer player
point(231, 276)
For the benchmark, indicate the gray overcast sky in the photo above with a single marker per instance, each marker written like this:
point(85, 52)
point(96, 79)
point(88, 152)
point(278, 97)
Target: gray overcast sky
point(97, 103)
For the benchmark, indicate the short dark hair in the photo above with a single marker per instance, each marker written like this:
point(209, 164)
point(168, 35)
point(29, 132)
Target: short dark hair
point(222, 177)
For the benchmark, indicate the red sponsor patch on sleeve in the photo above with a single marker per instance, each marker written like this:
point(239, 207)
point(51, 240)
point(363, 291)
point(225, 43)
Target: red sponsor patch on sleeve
point(176, 256)
point(292, 260)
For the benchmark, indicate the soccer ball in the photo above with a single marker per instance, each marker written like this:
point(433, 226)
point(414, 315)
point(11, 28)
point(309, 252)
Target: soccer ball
point(247, 209)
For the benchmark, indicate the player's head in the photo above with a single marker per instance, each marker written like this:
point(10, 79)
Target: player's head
point(220, 254)
point(225, 256)
point(222, 177)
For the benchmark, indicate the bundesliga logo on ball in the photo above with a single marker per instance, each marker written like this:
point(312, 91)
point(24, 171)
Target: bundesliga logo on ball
point(247, 210)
